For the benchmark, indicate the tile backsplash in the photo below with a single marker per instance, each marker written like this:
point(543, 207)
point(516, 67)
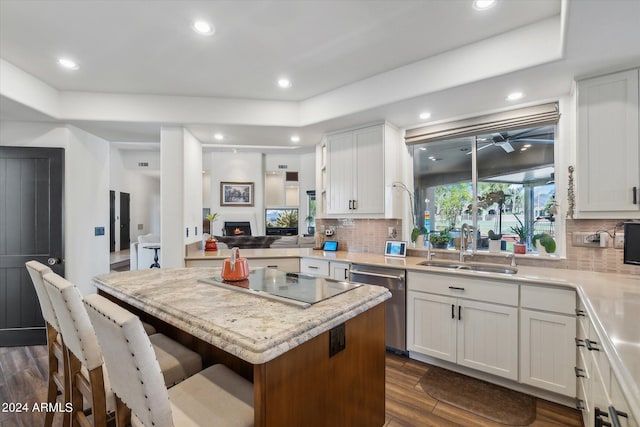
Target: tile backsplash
point(358, 235)
point(369, 235)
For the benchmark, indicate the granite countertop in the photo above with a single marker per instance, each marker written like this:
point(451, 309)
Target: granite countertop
point(250, 327)
point(612, 300)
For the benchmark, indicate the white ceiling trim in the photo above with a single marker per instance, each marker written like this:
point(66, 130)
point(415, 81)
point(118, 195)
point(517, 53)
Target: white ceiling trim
point(523, 48)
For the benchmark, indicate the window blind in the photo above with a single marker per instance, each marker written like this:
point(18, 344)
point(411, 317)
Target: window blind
point(513, 119)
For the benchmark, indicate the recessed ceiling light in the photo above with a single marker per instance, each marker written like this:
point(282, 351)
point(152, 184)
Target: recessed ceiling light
point(68, 64)
point(284, 83)
point(523, 149)
point(422, 148)
point(204, 28)
point(425, 115)
point(527, 145)
point(295, 138)
point(218, 136)
point(514, 96)
point(483, 4)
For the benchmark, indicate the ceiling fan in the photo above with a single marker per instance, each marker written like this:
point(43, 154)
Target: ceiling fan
point(501, 142)
point(498, 140)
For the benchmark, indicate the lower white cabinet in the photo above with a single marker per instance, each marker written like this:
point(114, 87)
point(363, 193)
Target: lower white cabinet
point(339, 270)
point(319, 267)
point(600, 396)
point(547, 351)
point(475, 334)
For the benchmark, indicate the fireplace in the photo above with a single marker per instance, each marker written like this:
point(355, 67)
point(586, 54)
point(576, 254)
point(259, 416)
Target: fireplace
point(237, 228)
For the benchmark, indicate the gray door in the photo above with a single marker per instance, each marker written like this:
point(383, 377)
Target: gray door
point(125, 219)
point(31, 224)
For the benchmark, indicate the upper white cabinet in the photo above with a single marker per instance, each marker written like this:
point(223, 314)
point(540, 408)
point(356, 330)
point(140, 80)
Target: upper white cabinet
point(355, 177)
point(608, 153)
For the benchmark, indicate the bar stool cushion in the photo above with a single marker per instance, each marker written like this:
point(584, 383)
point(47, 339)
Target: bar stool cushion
point(37, 271)
point(216, 396)
point(176, 361)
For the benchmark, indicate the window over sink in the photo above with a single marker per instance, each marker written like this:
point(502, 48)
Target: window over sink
point(500, 181)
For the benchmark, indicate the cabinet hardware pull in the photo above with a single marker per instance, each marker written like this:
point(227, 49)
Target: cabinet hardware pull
point(456, 288)
point(355, 204)
point(453, 313)
point(350, 204)
point(597, 418)
point(615, 414)
point(580, 405)
point(386, 276)
point(272, 266)
point(579, 372)
point(580, 312)
point(635, 195)
point(459, 312)
point(579, 342)
point(591, 345)
point(313, 266)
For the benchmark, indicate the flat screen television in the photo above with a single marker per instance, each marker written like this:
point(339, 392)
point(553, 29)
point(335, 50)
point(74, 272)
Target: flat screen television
point(281, 221)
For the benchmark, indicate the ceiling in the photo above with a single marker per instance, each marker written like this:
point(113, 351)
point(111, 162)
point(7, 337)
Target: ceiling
point(350, 62)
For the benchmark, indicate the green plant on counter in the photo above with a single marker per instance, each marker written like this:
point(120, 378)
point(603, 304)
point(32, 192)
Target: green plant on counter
point(212, 216)
point(441, 238)
point(546, 241)
point(494, 236)
point(416, 232)
point(521, 230)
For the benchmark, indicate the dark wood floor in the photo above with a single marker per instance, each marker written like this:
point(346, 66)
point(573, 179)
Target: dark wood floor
point(23, 373)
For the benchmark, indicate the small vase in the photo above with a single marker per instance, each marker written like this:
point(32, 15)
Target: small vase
point(495, 246)
point(519, 248)
point(210, 245)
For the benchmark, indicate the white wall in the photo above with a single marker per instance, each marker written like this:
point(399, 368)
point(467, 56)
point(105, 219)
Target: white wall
point(236, 167)
point(307, 180)
point(144, 191)
point(86, 193)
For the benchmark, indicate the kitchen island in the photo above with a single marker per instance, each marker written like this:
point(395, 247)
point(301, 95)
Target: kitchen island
point(301, 373)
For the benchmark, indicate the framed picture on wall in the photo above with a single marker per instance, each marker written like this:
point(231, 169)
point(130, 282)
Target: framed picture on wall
point(236, 194)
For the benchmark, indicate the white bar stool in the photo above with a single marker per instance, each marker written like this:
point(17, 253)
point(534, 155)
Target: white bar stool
point(214, 397)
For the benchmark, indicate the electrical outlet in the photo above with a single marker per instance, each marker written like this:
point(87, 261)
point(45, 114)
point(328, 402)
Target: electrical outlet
point(586, 239)
point(618, 242)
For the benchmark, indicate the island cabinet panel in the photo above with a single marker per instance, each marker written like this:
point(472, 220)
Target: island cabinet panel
point(307, 387)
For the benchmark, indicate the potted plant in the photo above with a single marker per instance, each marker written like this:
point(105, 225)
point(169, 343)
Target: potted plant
point(440, 240)
point(544, 243)
point(523, 232)
point(211, 244)
point(415, 235)
point(310, 228)
point(495, 242)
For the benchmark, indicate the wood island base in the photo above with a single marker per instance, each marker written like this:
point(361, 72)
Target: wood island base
point(306, 386)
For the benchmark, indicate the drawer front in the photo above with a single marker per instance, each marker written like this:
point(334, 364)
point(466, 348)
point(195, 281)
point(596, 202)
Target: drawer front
point(548, 299)
point(316, 267)
point(464, 287)
point(290, 265)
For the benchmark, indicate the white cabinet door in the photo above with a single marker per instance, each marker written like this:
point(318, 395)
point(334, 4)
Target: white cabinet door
point(488, 338)
point(431, 327)
point(355, 172)
point(548, 351)
point(339, 270)
point(369, 165)
point(608, 153)
point(316, 267)
point(340, 173)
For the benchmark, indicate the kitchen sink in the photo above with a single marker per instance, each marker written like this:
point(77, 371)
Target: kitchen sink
point(471, 267)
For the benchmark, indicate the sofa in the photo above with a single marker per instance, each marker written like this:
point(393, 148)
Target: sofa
point(253, 242)
point(140, 256)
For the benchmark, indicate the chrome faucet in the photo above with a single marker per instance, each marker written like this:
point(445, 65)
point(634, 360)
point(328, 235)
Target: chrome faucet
point(513, 260)
point(463, 239)
point(429, 253)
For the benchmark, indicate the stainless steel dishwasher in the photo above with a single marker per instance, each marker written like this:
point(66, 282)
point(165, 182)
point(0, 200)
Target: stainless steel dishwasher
point(396, 307)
